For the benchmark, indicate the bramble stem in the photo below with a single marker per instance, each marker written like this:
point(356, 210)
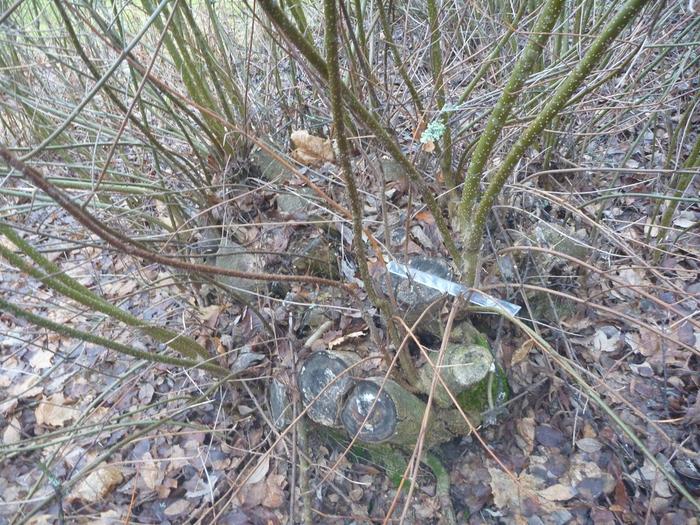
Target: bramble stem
point(558, 101)
point(470, 193)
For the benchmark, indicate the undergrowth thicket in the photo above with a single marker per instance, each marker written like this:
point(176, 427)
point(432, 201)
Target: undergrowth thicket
point(549, 150)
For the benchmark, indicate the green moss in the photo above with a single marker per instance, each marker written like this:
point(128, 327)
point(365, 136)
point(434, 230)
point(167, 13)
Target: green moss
point(392, 459)
point(442, 477)
point(480, 339)
point(387, 456)
point(464, 333)
point(476, 399)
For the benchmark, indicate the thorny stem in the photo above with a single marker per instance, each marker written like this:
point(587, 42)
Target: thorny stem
point(523, 68)
point(560, 98)
point(343, 156)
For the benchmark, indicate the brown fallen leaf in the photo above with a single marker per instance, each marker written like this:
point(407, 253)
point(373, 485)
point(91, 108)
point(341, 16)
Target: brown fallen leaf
point(119, 288)
point(606, 339)
point(589, 445)
point(177, 507)
point(526, 431)
point(98, 484)
point(631, 280)
point(522, 352)
point(345, 338)
point(692, 416)
point(274, 496)
point(150, 471)
point(30, 386)
point(558, 492)
point(11, 434)
point(420, 128)
point(507, 492)
point(311, 150)
point(209, 315)
point(109, 517)
point(42, 519)
point(252, 495)
point(41, 359)
point(53, 412)
point(166, 487)
point(260, 471)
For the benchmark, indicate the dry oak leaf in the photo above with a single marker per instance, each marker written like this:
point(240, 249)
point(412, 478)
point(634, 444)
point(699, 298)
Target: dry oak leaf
point(692, 416)
point(150, 471)
point(41, 359)
point(53, 412)
point(42, 519)
point(98, 484)
point(28, 387)
point(311, 150)
point(260, 471)
point(526, 431)
point(522, 352)
point(508, 492)
point(428, 146)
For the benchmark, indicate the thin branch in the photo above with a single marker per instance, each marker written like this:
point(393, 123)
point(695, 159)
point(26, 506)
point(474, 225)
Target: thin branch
point(277, 16)
point(63, 329)
point(129, 247)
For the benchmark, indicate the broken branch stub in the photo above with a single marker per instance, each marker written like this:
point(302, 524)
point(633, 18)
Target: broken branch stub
point(323, 385)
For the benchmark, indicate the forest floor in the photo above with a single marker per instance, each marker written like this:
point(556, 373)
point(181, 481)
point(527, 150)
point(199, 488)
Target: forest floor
point(92, 435)
point(162, 447)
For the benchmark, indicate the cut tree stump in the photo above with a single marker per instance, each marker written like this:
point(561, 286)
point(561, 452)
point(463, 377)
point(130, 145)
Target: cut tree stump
point(382, 411)
point(463, 367)
point(323, 385)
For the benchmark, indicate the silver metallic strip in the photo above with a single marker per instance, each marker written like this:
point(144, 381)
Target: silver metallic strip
point(451, 287)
